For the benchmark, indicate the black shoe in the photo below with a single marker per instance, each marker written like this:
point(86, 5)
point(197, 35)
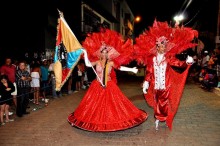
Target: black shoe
point(27, 113)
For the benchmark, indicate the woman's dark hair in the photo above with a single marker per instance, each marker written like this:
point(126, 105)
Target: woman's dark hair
point(35, 65)
point(4, 77)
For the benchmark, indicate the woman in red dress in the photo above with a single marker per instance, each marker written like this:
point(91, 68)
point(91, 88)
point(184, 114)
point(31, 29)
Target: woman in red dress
point(104, 107)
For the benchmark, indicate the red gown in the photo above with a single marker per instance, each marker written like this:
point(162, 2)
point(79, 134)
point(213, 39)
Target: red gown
point(106, 109)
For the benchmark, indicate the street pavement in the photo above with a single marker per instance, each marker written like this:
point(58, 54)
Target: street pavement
point(197, 122)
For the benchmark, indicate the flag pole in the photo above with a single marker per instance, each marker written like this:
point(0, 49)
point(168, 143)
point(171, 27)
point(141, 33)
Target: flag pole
point(60, 13)
point(62, 18)
point(97, 75)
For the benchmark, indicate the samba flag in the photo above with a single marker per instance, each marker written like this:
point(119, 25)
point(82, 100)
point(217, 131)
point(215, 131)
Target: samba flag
point(67, 53)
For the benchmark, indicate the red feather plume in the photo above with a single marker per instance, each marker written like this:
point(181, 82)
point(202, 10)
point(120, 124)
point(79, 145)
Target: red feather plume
point(180, 37)
point(94, 41)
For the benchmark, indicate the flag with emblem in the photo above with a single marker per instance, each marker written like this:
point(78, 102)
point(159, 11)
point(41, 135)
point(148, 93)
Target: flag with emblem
point(67, 52)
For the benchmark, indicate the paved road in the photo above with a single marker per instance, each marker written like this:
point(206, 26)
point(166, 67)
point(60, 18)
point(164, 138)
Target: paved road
point(197, 123)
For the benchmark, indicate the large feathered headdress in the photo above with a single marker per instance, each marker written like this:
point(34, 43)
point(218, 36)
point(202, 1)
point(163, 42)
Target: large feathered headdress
point(176, 39)
point(119, 50)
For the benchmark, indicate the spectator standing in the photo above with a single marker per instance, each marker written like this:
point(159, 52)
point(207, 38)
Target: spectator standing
point(6, 88)
point(69, 84)
point(218, 65)
point(205, 59)
point(83, 70)
point(44, 77)
point(23, 79)
point(79, 77)
point(212, 61)
point(52, 79)
point(74, 78)
point(35, 82)
point(10, 70)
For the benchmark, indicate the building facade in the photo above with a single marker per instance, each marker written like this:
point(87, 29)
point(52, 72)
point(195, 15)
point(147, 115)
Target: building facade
point(87, 16)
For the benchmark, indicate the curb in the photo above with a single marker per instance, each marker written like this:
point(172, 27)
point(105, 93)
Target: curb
point(217, 91)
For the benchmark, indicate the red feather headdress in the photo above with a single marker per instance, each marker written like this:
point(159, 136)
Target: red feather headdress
point(177, 40)
point(119, 50)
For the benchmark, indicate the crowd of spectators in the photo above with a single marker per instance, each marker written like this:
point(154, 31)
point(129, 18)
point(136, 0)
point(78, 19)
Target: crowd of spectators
point(31, 82)
point(206, 69)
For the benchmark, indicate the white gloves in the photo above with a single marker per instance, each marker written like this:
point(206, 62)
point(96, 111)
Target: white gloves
point(87, 62)
point(145, 86)
point(123, 68)
point(189, 60)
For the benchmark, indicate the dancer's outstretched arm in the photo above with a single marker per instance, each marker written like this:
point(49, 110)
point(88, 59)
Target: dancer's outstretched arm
point(123, 68)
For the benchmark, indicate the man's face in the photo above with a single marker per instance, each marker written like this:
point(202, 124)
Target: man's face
point(22, 66)
point(161, 48)
point(45, 62)
point(8, 61)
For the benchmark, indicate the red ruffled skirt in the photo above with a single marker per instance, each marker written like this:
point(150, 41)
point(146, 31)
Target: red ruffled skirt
point(106, 109)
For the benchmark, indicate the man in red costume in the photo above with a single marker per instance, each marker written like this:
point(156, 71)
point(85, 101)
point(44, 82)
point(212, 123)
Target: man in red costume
point(163, 85)
point(160, 74)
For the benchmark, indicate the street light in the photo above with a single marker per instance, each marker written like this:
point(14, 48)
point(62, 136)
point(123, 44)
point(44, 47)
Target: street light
point(177, 19)
point(131, 25)
point(137, 19)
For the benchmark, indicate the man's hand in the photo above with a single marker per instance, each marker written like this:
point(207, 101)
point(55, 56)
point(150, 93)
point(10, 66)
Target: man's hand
point(145, 87)
point(189, 60)
point(23, 78)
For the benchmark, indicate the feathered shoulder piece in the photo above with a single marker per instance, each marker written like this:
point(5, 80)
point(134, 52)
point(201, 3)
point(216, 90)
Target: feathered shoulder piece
point(177, 39)
point(119, 50)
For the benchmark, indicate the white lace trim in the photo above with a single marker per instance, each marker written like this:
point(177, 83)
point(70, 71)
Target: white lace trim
point(159, 72)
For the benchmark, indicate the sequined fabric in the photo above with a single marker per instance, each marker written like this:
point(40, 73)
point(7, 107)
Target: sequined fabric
point(106, 109)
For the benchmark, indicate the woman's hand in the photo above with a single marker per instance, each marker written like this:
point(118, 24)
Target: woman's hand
point(123, 68)
point(87, 62)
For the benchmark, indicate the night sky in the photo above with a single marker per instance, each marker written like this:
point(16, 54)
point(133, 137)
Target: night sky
point(22, 27)
point(200, 14)
point(22, 23)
